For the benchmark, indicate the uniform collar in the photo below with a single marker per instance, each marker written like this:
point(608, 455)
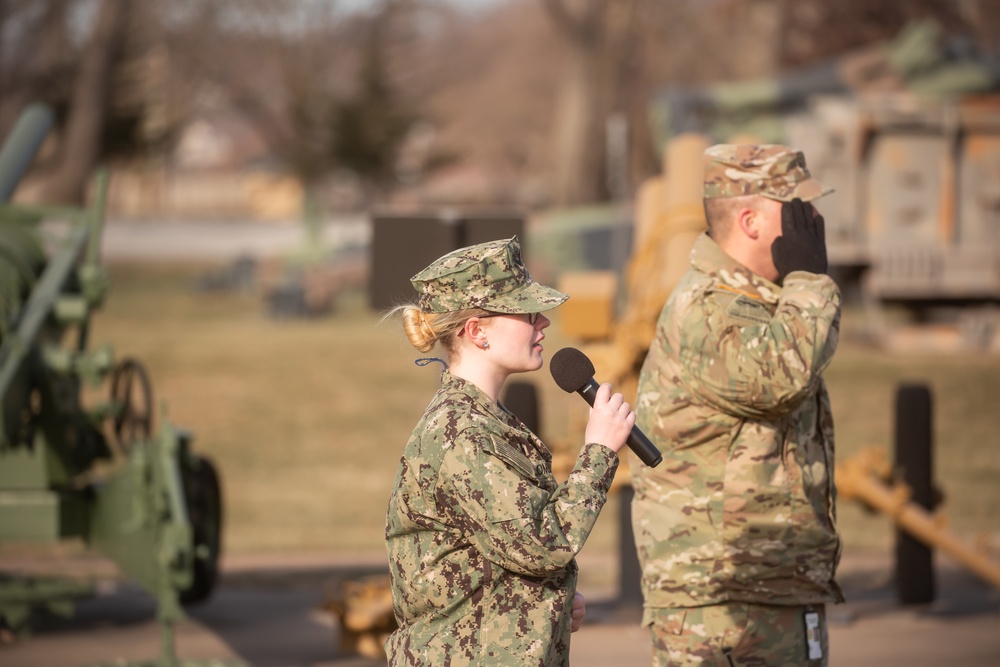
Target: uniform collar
point(729, 275)
point(488, 405)
point(495, 410)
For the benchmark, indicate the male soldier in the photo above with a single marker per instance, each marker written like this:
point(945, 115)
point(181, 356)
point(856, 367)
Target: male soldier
point(736, 530)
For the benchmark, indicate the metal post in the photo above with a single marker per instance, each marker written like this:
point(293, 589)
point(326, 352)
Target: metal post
point(914, 466)
point(521, 398)
point(629, 572)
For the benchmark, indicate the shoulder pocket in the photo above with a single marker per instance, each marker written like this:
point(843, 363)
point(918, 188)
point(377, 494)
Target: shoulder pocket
point(745, 310)
point(510, 455)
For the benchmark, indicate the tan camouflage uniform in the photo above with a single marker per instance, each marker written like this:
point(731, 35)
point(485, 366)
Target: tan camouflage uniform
point(481, 539)
point(738, 521)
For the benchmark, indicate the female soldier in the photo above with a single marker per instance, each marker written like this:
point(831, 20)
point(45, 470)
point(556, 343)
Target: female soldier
point(481, 539)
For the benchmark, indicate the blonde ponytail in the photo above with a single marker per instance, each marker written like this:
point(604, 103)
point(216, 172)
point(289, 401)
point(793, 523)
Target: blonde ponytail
point(418, 330)
point(425, 329)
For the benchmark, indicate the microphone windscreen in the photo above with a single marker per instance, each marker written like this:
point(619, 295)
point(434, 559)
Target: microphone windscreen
point(571, 369)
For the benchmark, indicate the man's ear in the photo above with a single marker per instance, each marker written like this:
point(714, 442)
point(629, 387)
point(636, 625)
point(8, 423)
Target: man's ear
point(748, 220)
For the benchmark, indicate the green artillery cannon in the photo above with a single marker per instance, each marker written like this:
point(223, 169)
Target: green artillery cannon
point(95, 473)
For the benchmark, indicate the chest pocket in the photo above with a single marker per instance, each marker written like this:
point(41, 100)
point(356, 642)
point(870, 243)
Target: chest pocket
point(524, 492)
point(513, 457)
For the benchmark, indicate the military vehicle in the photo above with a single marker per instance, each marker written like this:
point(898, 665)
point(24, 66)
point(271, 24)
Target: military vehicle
point(908, 134)
point(101, 472)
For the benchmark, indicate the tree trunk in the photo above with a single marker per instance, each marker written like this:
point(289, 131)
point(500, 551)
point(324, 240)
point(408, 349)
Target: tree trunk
point(81, 149)
point(35, 79)
point(579, 135)
point(600, 35)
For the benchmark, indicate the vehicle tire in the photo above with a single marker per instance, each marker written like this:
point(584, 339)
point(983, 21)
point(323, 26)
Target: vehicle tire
point(203, 494)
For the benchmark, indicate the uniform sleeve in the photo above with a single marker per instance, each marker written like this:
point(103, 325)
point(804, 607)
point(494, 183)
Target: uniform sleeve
point(511, 518)
point(763, 369)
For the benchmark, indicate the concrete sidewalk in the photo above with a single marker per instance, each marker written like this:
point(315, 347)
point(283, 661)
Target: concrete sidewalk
point(871, 629)
point(963, 628)
point(266, 613)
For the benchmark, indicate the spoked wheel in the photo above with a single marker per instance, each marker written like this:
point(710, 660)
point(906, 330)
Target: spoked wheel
point(203, 494)
point(133, 393)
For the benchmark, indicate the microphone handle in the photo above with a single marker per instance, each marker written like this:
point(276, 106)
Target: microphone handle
point(637, 440)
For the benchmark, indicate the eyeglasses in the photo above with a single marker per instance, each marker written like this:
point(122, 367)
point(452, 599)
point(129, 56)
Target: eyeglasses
point(532, 317)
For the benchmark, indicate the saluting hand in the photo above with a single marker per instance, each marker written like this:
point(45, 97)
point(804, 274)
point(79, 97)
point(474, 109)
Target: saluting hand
point(802, 244)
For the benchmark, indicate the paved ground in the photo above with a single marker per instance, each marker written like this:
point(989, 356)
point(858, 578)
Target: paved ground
point(212, 240)
point(267, 614)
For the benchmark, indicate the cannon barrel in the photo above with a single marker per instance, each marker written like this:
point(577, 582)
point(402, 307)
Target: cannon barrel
point(33, 288)
point(22, 256)
point(21, 146)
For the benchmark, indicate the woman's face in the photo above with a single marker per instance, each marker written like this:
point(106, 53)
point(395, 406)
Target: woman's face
point(516, 342)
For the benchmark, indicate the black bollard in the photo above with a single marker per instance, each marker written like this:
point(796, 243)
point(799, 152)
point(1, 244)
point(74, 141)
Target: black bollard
point(521, 398)
point(629, 572)
point(914, 466)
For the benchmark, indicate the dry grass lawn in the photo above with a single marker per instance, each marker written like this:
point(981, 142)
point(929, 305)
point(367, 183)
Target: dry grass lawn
point(306, 419)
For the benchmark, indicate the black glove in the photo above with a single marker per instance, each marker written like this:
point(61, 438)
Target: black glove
point(802, 244)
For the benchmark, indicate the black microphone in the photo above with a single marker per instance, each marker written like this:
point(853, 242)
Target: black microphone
point(573, 371)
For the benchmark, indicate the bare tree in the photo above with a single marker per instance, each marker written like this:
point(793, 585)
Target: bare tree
point(269, 61)
point(89, 105)
point(600, 34)
point(95, 64)
point(312, 82)
point(369, 126)
point(34, 55)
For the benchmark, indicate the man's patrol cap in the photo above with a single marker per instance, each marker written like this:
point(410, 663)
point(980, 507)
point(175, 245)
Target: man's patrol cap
point(489, 275)
point(770, 170)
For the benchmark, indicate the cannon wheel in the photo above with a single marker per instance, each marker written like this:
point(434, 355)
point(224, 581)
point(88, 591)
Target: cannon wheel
point(133, 392)
point(204, 506)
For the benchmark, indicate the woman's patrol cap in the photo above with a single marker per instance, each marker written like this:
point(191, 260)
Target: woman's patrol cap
point(489, 275)
point(770, 170)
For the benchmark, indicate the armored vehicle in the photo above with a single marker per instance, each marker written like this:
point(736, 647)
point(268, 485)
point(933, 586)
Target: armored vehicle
point(908, 134)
